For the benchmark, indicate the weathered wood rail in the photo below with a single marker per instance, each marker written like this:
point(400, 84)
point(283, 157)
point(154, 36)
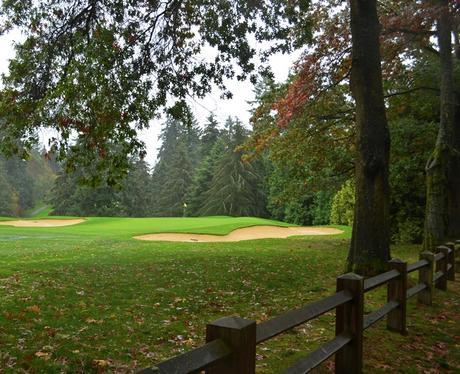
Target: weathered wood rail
point(231, 341)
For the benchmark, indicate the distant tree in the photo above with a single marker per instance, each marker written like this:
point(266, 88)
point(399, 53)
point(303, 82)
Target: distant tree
point(103, 201)
point(42, 172)
point(209, 135)
point(71, 197)
point(172, 194)
point(237, 186)
point(173, 173)
point(132, 197)
point(62, 194)
point(8, 203)
point(203, 177)
point(21, 181)
point(136, 198)
point(211, 148)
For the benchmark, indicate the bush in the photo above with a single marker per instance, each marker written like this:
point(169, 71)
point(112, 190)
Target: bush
point(343, 204)
point(408, 231)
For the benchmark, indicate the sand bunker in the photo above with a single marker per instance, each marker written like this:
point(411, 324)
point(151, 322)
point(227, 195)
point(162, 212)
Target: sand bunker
point(247, 233)
point(42, 222)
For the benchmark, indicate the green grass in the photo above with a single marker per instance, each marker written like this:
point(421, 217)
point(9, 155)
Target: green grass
point(88, 298)
point(41, 210)
point(124, 228)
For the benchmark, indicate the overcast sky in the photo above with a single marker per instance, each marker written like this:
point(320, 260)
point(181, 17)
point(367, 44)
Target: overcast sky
point(236, 107)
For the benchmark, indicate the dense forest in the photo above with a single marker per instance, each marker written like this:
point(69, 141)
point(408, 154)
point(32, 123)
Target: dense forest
point(206, 169)
point(25, 184)
point(199, 171)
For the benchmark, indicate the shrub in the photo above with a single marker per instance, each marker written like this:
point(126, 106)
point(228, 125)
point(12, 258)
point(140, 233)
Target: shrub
point(343, 204)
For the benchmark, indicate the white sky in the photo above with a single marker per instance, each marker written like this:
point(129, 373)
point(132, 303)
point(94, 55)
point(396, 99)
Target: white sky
point(236, 107)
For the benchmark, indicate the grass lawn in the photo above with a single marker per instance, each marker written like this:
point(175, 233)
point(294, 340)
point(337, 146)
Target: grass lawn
point(126, 228)
point(41, 210)
point(88, 298)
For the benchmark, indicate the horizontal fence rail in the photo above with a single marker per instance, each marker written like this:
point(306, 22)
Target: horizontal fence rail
point(416, 265)
point(320, 355)
point(269, 329)
point(193, 361)
point(231, 341)
point(376, 316)
point(378, 280)
point(415, 290)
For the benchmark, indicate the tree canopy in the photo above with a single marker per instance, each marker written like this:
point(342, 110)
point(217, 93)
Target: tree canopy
point(99, 71)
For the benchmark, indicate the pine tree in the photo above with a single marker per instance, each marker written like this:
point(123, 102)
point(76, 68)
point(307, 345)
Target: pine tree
point(7, 203)
point(210, 135)
point(21, 182)
point(136, 195)
point(172, 195)
point(237, 186)
point(173, 173)
point(203, 178)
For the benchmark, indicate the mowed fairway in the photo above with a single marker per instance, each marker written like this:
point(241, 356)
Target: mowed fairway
point(89, 298)
point(125, 228)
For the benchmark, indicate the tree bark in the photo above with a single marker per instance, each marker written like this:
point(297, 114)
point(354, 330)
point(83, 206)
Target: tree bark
point(453, 228)
point(439, 200)
point(453, 200)
point(369, 250)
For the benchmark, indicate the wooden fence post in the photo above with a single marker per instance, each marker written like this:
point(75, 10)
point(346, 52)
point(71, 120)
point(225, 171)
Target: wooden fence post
point(397, 291)
point(451, 261)
point(441, 265)
point(425, 276)
point(240, 335)
point(349, 321)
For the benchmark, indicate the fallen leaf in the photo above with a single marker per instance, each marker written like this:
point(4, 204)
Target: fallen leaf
point(33, 309)
point(100, 363)
point(44, 355)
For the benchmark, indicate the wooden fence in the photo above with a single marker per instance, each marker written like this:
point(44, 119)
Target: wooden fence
point(231, 341)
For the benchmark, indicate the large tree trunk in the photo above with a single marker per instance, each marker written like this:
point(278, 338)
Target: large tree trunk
point(453, 199)
point(370, 248)
point(453, 227)
point(438, 178)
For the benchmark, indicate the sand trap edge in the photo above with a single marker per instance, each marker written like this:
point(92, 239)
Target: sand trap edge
point(43, 222)
point(245, 233)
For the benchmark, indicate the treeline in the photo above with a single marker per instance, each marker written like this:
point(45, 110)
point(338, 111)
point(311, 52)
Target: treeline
point(25, 183)
point(206, 170)
point(199, 171)
point(313, 154)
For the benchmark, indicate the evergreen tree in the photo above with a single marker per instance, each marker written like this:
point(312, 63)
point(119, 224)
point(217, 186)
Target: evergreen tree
point(172, 195)
point(42, 172)
point(21, 182)
point(132, 197)
point(136, 195)
point(203, 178)
point(173, 173)
point(7, 194)
point(63, 190)
point(237, 186)
point(209, 136)
point(211, 149)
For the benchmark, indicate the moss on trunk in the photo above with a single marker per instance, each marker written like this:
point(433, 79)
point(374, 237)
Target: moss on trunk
point(369, 249)
point(440, 191)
